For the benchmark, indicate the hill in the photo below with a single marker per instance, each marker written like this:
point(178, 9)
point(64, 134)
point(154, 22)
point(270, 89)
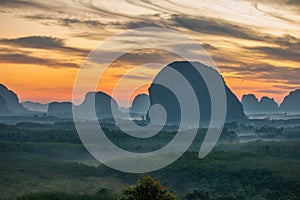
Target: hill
point(161, 95)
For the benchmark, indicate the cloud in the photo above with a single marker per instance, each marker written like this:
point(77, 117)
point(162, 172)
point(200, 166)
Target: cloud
point(282, 3)
point(275, 91)
point(92, 8)
point(272, 14)
point(21, 4)
point(135, 77)
point(214, 27)
point(286, 87)
point(27, 59)
point(136, 58)
point(104, 19)
point(279, 53)
point(42, 42)
point(140, 24)
point(208, 46)
point(286, 40)
point(191, 47)
point(293, 2)
point(90, 35)
point(266, 72)
point(73, 21)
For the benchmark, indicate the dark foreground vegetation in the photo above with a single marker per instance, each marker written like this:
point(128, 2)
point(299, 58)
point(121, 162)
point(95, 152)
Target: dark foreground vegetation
point(49, 162)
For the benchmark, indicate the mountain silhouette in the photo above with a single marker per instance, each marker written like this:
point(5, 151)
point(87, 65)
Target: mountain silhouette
point(12, 101)
point(268, 105)
point(140, 104)
point(35, 106)
point(252, 105)
point(291, 102)
point(3, 107)
point(103, 103)
point(161, 95)
point(60, 109)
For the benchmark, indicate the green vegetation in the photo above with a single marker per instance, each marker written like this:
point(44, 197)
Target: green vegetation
point(65, 133)
point(60, 168)
point(102, 194)
point(252, 172)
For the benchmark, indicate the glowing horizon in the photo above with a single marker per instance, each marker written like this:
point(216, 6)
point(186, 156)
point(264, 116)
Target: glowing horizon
point(255, 44)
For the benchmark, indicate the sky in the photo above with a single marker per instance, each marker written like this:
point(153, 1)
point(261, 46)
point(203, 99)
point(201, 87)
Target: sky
point(254, 44)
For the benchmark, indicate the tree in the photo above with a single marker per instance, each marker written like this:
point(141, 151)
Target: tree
point(147, 188)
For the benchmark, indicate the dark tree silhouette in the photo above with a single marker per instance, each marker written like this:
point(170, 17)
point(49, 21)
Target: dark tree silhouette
point(147, 188)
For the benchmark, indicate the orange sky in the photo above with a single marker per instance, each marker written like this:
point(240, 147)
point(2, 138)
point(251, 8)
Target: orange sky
point(255, 44)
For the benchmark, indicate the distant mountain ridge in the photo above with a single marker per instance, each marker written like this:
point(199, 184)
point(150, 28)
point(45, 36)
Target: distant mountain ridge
point(103, 105)
point(140, 104)
point(12, 102)
point(9, 103)
point(60, 109)
point(35, 106)
point(3, 107)
point(161, 95)
point(265, 105)
point(291, 103)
